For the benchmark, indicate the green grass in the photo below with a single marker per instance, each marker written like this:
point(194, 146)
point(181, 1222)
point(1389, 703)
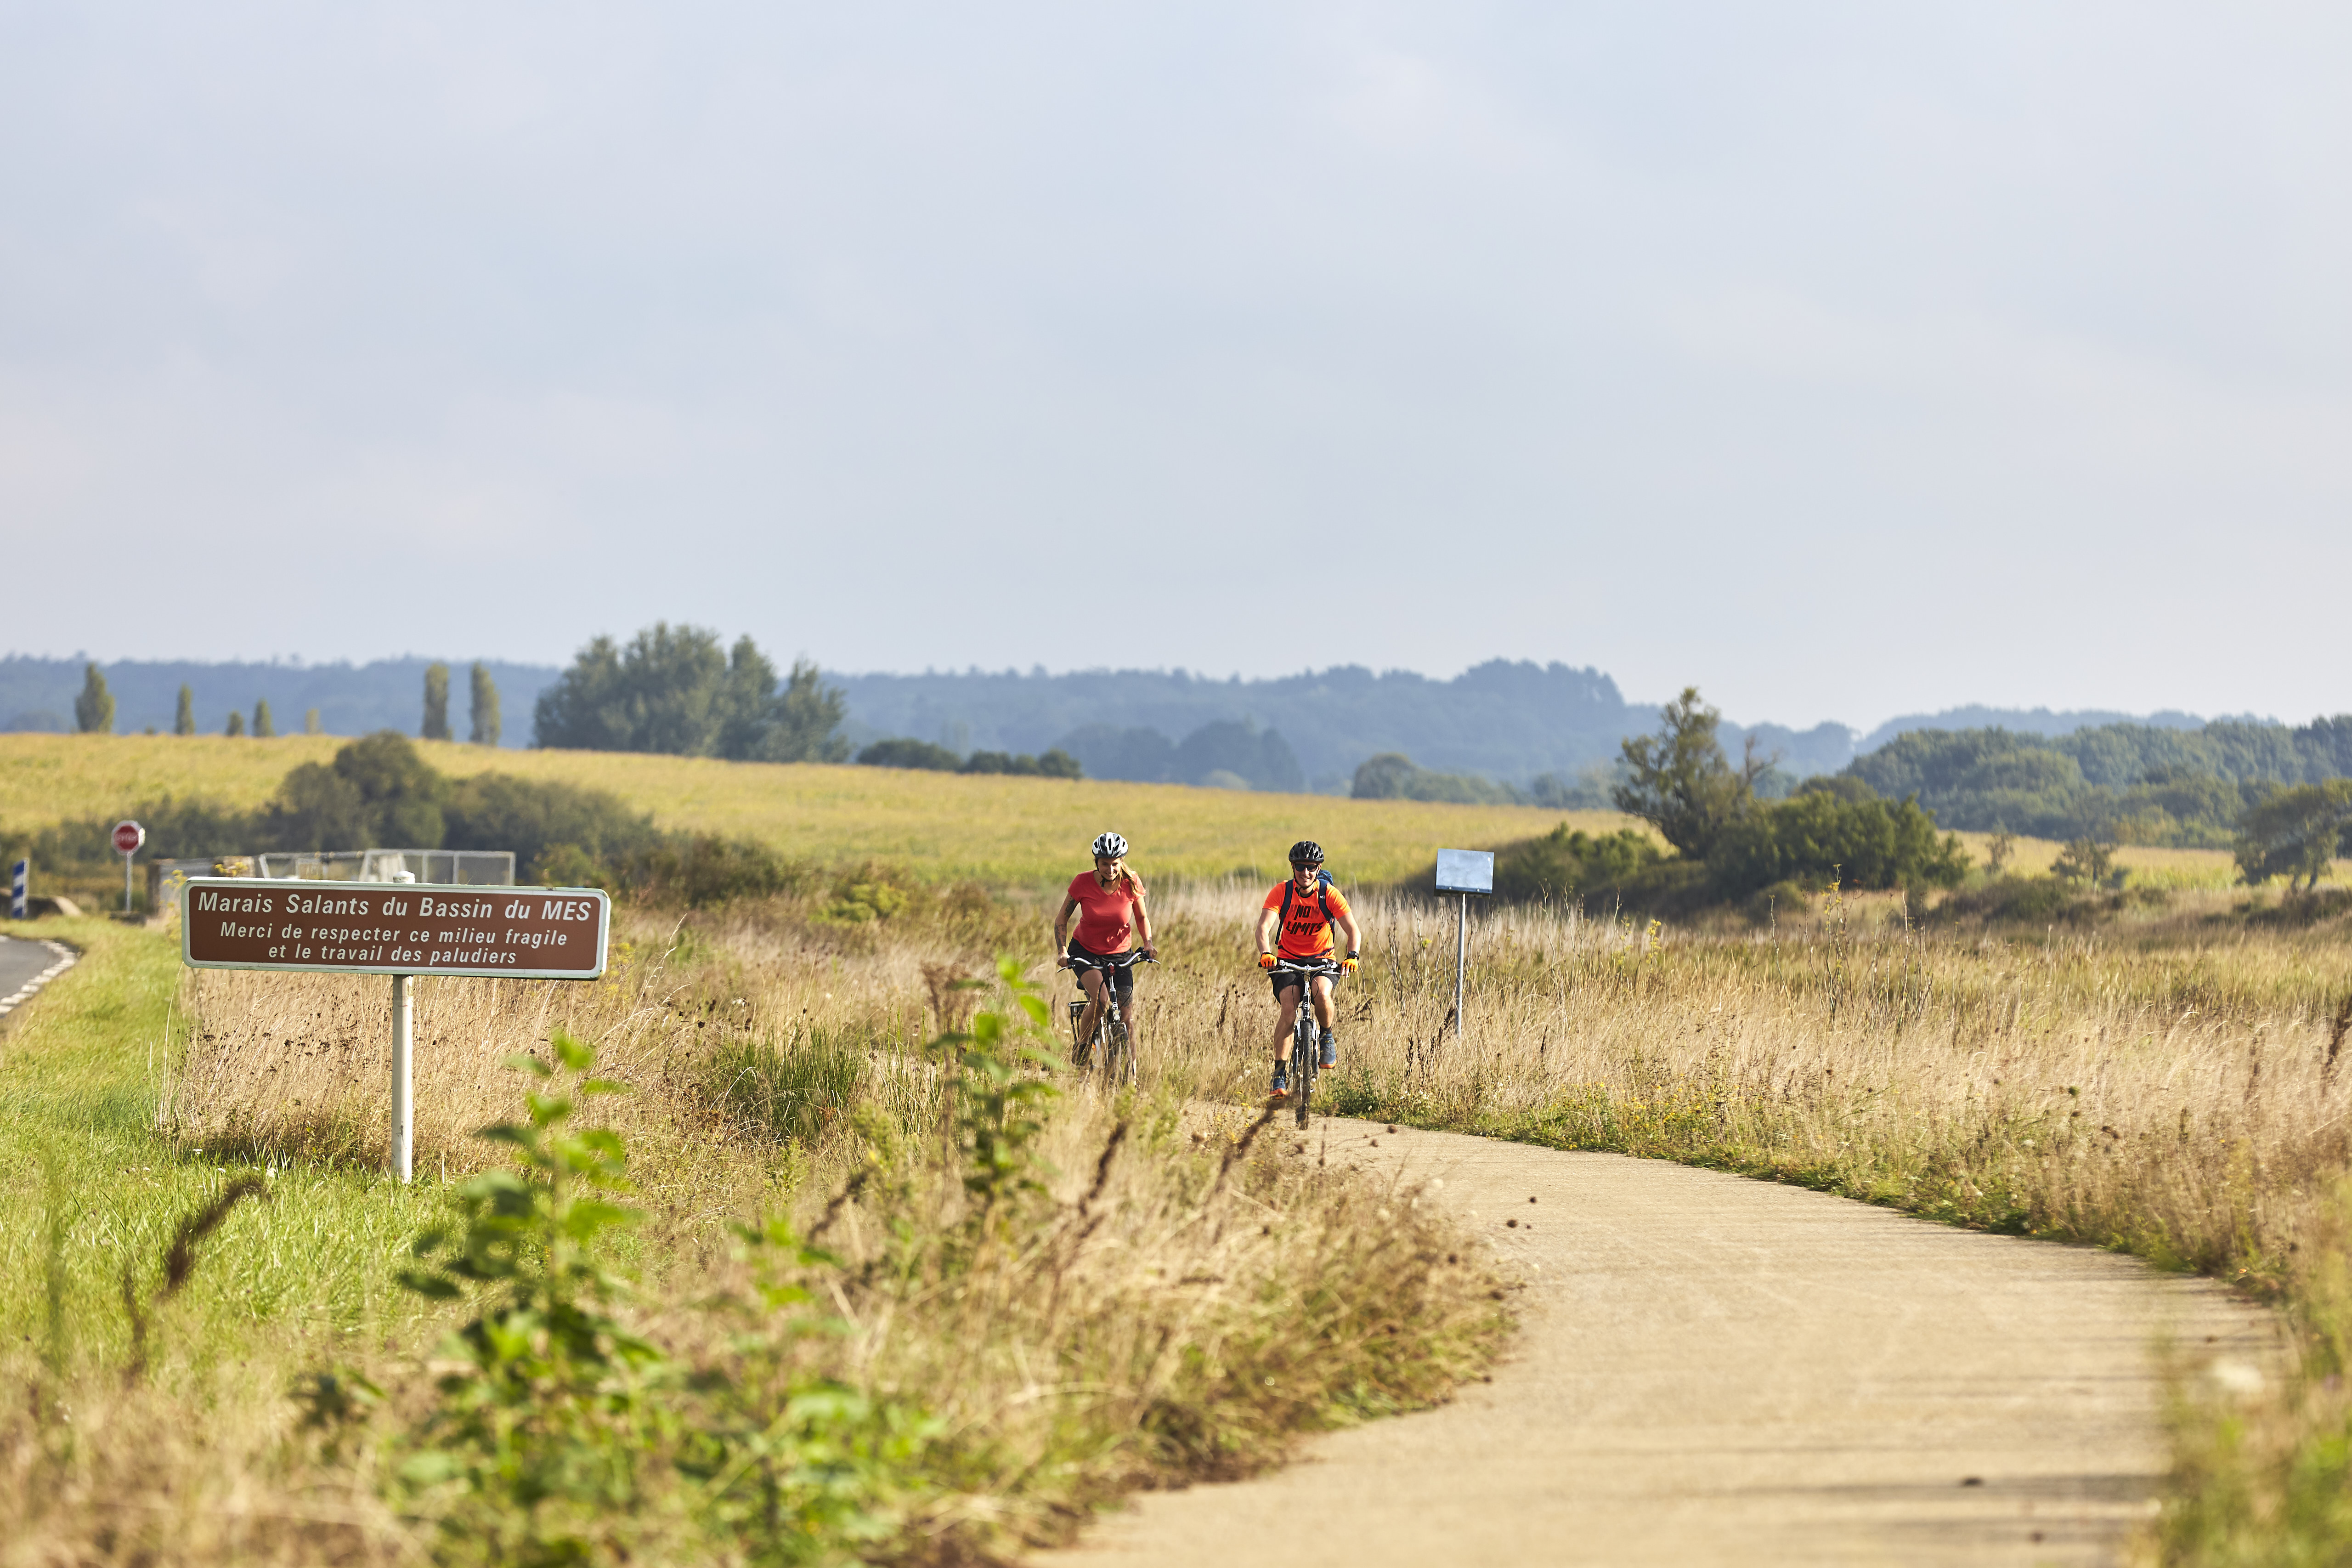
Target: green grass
point(80, 1079)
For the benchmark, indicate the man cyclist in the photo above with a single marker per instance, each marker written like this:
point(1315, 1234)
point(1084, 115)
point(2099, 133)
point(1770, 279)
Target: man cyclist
point(1306, 907)
point(1108, 901)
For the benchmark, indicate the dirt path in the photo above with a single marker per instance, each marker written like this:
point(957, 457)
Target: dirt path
point(1714, 1370)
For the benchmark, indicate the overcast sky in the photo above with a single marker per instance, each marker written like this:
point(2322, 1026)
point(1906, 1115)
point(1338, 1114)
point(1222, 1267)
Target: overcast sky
point(1844, 360)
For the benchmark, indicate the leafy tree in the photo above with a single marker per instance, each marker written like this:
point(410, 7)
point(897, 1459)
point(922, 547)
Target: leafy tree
point(2084, 859)
point(1679, 781)
point(2295, 833)
point(487, 729)
point(794, 725)
point(235, 725)
point(1392, 776)
point(183, 722)
point(310, 725)
point(263, 725)
point(437, 703)
point(909, 754)
point(672, 689)
point(94, 708)
point(1839, 830)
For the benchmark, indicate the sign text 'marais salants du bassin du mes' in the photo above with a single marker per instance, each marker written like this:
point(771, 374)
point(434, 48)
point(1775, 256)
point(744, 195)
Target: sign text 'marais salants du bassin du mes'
point(396, 927)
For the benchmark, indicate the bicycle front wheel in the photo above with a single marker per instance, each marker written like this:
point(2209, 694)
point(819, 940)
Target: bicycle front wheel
point(1118, 1053)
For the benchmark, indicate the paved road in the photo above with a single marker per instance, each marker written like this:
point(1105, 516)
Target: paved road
point(1714, 1370)
point(22, 964)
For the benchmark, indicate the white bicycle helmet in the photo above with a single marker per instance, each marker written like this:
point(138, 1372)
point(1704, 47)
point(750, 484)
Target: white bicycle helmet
point(1112, 845)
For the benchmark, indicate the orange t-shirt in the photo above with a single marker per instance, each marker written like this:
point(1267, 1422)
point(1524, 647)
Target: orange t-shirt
point(1106, 915)
point(1305, 933)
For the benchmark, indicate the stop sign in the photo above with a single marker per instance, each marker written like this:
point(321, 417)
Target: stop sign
point(128, 837)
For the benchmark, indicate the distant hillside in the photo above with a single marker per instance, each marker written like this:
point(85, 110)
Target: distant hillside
point(2029, 721)
point(351, 699)
point(1504, 720)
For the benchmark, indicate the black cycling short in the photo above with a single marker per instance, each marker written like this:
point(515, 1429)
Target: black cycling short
point(1287, 982)
point(1122, 975)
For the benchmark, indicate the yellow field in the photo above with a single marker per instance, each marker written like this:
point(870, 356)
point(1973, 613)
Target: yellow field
point(2148, 867)
point(1001, 830)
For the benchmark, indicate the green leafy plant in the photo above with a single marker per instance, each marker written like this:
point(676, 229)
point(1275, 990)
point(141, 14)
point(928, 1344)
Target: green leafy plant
point(539, 1448)
point(1001, 1101)
point(563, 1435)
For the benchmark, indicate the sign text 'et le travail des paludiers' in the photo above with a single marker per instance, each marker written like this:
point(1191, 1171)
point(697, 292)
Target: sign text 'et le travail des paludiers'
point(395, 928)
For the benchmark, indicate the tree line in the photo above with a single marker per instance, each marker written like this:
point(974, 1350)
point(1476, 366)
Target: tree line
point(94, 710)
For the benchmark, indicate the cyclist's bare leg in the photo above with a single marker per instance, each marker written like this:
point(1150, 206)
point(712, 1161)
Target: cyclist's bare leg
point(1285, 1022)
point(1091, 982)
point(1322, 994)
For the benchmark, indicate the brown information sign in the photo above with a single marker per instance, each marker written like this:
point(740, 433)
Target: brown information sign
point(395, 928)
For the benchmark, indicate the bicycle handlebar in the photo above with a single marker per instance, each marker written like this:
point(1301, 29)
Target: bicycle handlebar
point(1128, 960)
point(1305, 966)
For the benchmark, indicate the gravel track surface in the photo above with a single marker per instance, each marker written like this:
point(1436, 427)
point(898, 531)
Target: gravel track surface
point(1714, 1370)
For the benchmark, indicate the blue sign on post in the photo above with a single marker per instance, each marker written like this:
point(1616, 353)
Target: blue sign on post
point(18, 881)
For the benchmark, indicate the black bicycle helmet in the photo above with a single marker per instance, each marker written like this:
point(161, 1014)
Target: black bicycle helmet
point(1111, 844)
point(1307, 852)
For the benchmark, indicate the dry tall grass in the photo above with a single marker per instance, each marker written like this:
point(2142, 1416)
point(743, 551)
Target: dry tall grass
point(1179, 1301)
point(2177, 1094)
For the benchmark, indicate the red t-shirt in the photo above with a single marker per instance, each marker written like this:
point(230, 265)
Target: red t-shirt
point(1106, 915)
point(1305, 933)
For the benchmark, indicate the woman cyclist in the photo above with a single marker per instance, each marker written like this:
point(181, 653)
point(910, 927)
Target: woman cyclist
point(1108, 901)
point(1306, 907)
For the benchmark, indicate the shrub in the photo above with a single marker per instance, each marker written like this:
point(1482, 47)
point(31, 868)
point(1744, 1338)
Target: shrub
point(533, 818)
point(1056, 764)
point(1568, 861)
point(904, 753)
point(867, 896)
point(703, 869)
point(1820, 834)
point(378, 792)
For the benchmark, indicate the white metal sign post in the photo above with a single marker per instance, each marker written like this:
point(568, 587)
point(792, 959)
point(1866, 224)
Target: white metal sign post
point(1463, 871)
point(403, 928)
point(128, 837)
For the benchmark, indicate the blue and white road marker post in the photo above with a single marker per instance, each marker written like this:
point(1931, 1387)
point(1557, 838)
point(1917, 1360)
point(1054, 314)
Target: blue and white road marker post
point(20, 883)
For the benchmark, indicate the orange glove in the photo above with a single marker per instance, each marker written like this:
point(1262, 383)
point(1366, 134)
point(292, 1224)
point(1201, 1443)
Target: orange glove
point(1265, 960)
point(1349, 964)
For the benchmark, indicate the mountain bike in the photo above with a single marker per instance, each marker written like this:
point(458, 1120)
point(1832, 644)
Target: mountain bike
point(1306, 1041)
point(1112, 1050)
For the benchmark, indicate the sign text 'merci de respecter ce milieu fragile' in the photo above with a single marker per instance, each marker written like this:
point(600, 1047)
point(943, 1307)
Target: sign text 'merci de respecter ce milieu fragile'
point(395, 928)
